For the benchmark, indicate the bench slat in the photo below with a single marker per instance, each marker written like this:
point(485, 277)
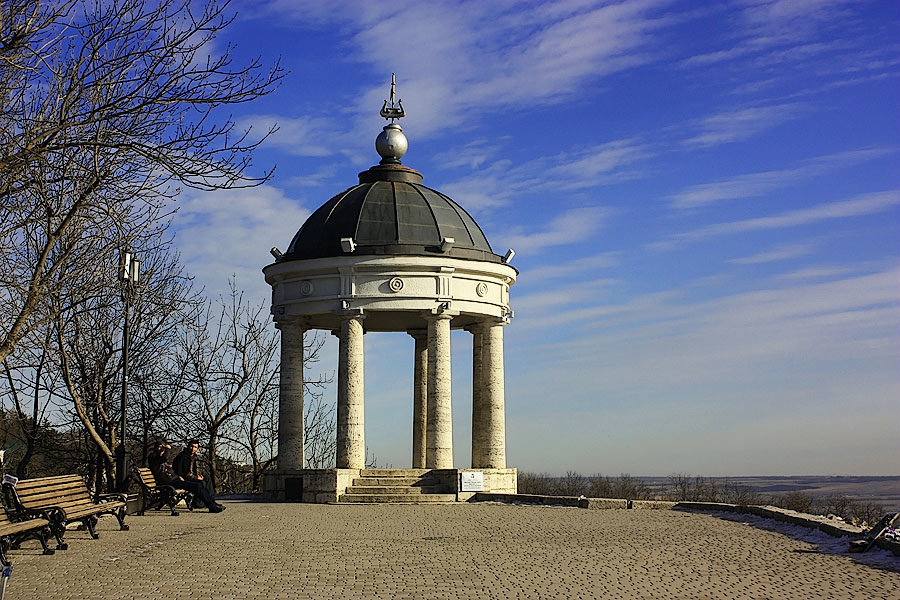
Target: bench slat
point(9, 528)
point(26, 484)
point(56, 486)
point(53, 499)
point(68, 490)
point(40, 493)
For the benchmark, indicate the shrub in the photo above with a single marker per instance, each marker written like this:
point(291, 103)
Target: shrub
point(572, 484)
point(739, 494)
point(840, 505)
point(630, 488)
point(536, 483)
point(866, 514)
point(797, 501)
point(600, 487)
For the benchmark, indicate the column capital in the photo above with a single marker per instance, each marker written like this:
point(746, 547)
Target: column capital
point(351, 313)
point(485, 323)
point(418, 334)
point(439, 315)
point(293, 323)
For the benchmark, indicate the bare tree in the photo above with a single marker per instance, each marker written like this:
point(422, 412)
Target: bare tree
point(319, 432)
point(107, 109)
point(228, 357)
point(29, 386)
point(320, 417)
point(88, 331)
point(252, 436)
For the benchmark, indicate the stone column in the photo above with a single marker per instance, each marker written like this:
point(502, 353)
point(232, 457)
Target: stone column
point(493, 412)
point(479, 434)
point(439, 436)
point(420, 398)
point(290, 397)
point(351, 442)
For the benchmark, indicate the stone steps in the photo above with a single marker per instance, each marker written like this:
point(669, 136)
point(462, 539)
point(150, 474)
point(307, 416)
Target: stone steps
point(391, 481)
point(406, 486)
point(393, 472)
point(396, 498)
point(410, 490)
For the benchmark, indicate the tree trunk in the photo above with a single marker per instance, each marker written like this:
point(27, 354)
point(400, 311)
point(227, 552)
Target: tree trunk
point(211, 455)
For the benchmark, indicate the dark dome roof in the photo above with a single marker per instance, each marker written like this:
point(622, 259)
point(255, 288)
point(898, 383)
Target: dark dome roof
point(390, 212)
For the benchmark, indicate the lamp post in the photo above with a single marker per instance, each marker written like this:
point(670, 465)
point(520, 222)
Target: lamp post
point(129, 270)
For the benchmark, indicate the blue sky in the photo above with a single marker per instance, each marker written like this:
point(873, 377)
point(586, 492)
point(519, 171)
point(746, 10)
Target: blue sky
point(704, 200)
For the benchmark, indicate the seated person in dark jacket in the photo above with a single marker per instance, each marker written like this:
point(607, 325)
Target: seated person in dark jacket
point(185, 466)
point(159, 466)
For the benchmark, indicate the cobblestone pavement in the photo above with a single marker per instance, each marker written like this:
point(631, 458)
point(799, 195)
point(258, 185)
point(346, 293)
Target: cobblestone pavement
point(258, 550)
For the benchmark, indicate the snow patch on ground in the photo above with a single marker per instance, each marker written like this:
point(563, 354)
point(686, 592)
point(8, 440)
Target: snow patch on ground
point(824, 543)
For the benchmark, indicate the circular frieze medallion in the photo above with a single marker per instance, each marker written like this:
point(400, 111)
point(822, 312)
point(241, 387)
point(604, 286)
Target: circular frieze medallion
point(396, 284)
point(306, 287)
point(481, 289)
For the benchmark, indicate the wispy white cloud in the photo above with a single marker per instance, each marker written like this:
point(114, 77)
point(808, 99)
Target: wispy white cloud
point(229, 233)
point(780, 252)
point(600, 164)
point(863, 204)
point(554, 298)
point(743, 339)
point(735, 125)
point(491, 187)
point(757, 184)
point(488, 56)
point(301, 136)
point(474, 155)
point(572, 226)
point(777, 31)
point(776, 18)
point(498, 183)
point(314, 179)
point(816, 272)
point(579, 267)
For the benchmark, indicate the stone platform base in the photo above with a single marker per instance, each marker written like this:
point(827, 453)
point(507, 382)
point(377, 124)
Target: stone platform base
point(321, 486)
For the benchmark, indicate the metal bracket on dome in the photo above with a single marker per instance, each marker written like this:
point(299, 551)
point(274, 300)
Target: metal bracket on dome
point(393, 112)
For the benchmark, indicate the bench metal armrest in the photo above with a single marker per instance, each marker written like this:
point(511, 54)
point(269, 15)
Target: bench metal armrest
point(112, 497)
point(51, 513)
point(27, 514)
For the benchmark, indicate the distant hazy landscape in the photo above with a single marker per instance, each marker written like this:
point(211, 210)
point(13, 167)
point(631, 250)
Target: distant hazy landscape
point(879, 490)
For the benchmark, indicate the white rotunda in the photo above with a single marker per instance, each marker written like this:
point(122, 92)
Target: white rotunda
point(390, 254)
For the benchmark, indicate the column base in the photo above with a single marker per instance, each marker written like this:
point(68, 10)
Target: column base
point(325, 486)
point(316, 486)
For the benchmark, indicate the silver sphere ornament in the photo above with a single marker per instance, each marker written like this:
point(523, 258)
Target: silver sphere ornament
point(391, 144)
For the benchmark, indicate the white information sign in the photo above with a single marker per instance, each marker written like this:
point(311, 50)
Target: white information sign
point(471, 481)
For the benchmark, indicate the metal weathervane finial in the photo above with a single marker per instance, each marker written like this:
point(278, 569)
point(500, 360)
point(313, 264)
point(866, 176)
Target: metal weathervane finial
point(391, 144)
point(393, 112)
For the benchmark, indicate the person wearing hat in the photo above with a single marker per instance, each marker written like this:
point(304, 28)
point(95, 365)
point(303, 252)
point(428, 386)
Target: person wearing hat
point(159, 456)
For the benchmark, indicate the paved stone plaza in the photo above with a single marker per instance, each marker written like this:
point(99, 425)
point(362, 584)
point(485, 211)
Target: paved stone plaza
point(259, 550)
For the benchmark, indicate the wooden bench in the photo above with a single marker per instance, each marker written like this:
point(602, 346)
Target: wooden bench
point(19, 527)
point(65, 499)
point(156, 496)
